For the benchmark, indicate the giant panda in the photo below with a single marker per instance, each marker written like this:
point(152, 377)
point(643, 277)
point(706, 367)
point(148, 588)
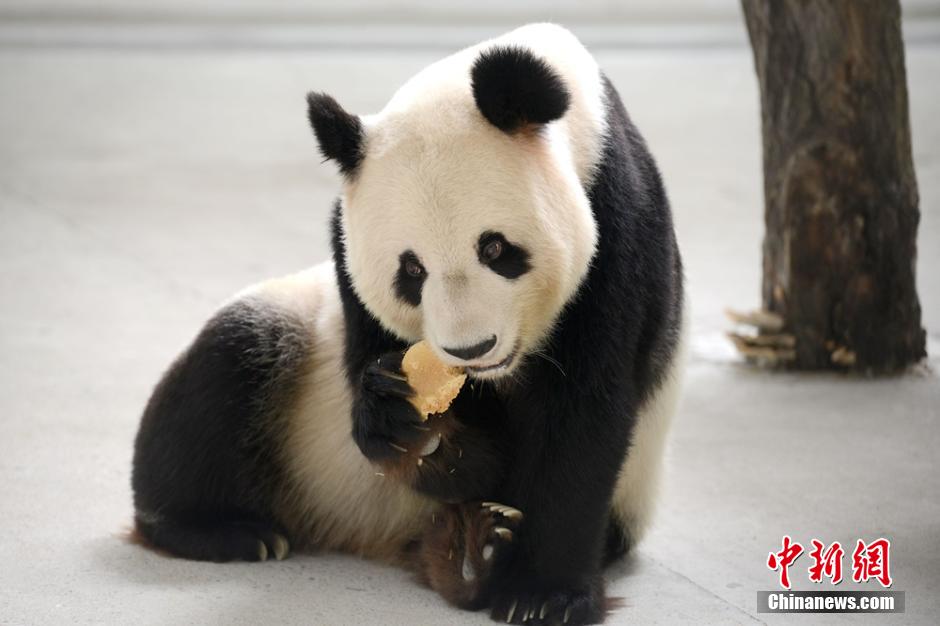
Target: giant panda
point(504, 208)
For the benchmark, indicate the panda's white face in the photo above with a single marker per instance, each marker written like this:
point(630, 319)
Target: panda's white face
point(465, 219)
point(464, 235)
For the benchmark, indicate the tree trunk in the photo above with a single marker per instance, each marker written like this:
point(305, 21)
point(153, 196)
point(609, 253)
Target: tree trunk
point(840, 194)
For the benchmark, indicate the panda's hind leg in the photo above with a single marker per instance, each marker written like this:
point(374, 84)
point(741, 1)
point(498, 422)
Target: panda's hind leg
point(206, 464)
point(221, 541)
point(464, 548)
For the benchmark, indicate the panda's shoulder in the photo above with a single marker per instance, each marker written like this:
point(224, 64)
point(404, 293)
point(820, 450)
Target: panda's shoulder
point(272, 323)
point(301, 294)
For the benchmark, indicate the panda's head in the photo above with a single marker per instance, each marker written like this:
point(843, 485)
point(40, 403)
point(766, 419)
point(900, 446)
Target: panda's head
point(463, 216)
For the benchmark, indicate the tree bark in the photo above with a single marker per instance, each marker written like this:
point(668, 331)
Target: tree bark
point(841, 203)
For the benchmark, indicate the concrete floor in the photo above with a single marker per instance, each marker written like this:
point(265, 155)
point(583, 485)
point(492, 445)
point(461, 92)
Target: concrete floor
point(139, 189)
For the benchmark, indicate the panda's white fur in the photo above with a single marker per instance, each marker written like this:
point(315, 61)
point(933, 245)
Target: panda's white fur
point(335, 497)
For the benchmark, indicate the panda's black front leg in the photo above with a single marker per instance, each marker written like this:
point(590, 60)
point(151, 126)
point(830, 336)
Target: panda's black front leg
point(453, 457)
point(385, 424)
point(569, 450)
point(472, 456)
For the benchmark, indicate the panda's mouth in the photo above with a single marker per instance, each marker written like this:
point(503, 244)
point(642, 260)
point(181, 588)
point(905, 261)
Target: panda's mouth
point(504, 364)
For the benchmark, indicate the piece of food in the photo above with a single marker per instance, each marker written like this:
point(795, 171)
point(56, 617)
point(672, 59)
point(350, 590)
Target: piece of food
point(435, 384)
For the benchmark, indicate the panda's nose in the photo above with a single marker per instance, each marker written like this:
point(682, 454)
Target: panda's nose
point(472, 352)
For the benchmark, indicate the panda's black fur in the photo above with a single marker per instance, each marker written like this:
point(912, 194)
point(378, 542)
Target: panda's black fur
point(204, 466)
point(339, 134)
point(513, 89)
point(551, 446)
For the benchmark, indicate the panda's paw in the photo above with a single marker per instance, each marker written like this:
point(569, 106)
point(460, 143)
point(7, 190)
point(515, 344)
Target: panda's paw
point(385, 378)
point(224, 541)
point(386, 424)
point(490, 536)
point(464, 548)
point(558, 607)
point(249, 541)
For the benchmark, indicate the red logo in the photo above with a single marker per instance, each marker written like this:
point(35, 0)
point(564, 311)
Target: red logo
point(869, 561)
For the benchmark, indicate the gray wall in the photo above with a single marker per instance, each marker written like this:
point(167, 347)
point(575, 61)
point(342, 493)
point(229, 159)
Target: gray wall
point(385, 24)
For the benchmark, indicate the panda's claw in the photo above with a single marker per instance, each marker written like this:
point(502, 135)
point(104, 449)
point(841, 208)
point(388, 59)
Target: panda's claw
point(559, 606)
point(512, 611)
point(432, 444)
point(281, 547)
point(504, 533)
point(390, 374)
point(511, 513)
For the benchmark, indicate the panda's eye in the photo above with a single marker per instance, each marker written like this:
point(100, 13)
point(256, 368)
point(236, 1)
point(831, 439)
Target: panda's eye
point(492, 250)
point(508, 259)
point(410, 277)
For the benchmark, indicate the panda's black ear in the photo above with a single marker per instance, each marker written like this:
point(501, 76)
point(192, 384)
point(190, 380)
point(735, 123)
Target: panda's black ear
point(339, 133)
point(515, 89)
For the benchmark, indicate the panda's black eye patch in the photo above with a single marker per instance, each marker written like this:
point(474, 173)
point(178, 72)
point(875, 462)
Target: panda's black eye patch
point(505, 258)
point(410, 278)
